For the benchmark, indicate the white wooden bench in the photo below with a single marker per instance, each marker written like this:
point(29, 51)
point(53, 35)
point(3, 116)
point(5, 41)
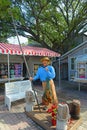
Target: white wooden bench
point(15, 91)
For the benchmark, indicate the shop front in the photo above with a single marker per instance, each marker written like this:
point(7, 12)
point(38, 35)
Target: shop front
point(11, 67)
point(12, 64)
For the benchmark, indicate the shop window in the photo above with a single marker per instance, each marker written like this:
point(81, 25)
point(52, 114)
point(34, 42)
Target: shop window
point(15, 70)
point(72, 70)
point(73, 63)
point(81, 69)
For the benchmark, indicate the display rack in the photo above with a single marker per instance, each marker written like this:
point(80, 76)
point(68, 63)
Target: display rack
point(15, 71)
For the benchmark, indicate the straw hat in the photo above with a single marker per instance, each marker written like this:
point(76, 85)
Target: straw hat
point(45, 58)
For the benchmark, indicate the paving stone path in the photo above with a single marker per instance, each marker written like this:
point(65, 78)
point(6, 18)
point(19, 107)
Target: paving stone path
point(16, 119)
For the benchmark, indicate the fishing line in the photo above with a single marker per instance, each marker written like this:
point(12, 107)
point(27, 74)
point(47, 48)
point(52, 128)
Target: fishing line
point(24, 56)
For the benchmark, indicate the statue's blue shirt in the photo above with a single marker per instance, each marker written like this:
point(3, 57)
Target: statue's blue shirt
point(43, 74)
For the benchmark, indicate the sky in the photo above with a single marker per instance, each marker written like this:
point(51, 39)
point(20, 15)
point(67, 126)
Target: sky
point(86, 33)
point(14, 40)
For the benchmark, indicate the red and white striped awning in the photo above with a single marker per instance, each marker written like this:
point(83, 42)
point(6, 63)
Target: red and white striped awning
point(27, 50)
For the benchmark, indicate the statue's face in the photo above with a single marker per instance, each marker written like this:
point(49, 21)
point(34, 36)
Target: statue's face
point(45, 62)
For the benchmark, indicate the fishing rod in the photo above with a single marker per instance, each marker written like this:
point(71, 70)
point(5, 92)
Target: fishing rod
point(24, 57)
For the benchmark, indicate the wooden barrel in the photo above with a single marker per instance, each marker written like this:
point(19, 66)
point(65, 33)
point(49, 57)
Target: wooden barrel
point(74, 108)
point(70, 104)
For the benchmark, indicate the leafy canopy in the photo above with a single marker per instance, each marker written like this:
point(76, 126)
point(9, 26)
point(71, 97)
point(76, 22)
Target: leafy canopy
point(53, 23)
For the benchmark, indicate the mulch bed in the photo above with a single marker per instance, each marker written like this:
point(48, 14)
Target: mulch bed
point(43, 119)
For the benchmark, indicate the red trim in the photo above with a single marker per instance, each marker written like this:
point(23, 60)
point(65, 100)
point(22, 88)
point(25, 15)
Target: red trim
point(28, 50)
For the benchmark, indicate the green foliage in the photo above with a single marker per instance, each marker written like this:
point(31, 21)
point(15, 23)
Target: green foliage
point(4, 5)
point(55, 24)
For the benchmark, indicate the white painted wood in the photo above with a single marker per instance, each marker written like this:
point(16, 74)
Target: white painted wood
point(15, 91)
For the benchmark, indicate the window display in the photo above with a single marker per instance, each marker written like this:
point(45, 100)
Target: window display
point(15, 70)
point(81, 70)
point(81, 67)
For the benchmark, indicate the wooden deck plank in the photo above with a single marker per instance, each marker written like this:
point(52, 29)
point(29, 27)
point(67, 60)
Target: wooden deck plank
point(43, 119)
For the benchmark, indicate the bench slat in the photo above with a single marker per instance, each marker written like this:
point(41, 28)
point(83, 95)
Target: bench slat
point(16, 90)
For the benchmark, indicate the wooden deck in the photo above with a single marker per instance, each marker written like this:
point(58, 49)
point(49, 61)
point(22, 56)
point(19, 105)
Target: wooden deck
point(43, 119)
